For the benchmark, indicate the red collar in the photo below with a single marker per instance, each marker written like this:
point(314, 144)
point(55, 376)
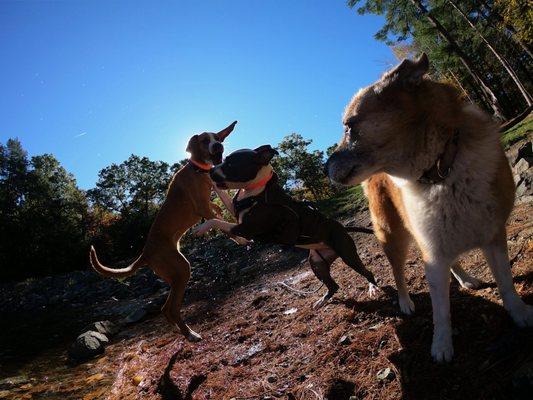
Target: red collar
point(203, 166)
point(260, 183)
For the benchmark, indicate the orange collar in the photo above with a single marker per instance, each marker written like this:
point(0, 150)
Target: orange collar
point(203, 166)
point(260, 183)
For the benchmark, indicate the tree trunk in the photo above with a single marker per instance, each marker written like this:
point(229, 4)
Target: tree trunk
point(465, 60)
point(501, 59)
point(458, 82)
point(478, 93)
point(512, 31)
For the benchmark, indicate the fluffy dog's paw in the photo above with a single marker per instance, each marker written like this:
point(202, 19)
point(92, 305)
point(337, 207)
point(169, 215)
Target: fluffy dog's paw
point(192, 336)
point(442, 348)
point(372, 290)
point(406, 305)
point(522, 315)
point(471, 283)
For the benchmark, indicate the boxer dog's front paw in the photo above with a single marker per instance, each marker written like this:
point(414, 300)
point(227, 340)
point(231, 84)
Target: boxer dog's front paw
point(202, 229)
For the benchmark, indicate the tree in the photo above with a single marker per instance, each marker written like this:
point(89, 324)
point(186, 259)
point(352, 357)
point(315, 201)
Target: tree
point(492, 48)
point(133, 185)
point(457, 46)
point(301, 168)
point(42, 220)
point(125, 201)
point(517, 16)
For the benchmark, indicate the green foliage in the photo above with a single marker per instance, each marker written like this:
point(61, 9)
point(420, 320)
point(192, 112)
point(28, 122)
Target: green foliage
point(48, 223)
point(42, 217)
point(410, 28)
point(131, 191)
point(517, 15)
point(301, 170)
point(345, 202)
point(132, 185)
point(517, 132)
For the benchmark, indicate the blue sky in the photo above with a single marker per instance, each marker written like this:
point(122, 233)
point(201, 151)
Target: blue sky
point(93, 82)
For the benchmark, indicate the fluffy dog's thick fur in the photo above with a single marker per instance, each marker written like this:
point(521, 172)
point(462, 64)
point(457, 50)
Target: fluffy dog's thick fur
point(397, 130)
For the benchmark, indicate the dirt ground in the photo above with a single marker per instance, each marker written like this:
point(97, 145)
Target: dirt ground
point(262, 341)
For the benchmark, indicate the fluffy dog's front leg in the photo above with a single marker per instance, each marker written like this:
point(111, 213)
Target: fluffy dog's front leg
point(438, 277)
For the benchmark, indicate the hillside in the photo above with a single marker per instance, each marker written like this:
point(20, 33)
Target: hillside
point(262, 341)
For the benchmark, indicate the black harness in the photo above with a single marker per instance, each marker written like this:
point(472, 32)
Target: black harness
point(261, 198)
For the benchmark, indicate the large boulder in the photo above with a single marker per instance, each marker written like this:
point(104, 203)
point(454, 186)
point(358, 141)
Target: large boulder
point(522, 164)
point(106, 328)
point(87, 345)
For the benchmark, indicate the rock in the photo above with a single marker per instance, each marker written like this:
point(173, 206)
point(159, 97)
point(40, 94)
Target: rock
point(345, 340)
point(525, 151)
point(525, 188)
point(154, 305)
point(13, 381)
point(272, 379)
point(87, 345)
point(521, 167)
point(386, 375)
point(106, 328)
point(522, 381)
point(135, 316)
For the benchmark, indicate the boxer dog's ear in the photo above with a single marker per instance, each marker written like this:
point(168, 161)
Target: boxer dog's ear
point(192, 147)
point(226, 131)
point(264, 154)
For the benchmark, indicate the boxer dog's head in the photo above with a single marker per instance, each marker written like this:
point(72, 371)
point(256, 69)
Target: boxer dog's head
point(207, 148)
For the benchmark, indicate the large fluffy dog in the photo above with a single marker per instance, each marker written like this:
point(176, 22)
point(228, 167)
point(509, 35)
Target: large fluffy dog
point(435, 171)
point(188, 200)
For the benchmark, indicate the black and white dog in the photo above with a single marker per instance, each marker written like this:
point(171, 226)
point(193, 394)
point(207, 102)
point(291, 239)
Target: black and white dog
point(265, 213)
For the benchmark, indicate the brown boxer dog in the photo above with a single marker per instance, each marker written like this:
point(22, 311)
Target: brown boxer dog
point(187, 202)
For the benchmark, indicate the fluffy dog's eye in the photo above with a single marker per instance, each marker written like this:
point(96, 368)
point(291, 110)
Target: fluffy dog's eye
point(354, 134)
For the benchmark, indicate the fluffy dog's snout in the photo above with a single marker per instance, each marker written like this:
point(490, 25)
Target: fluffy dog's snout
point(342, 166)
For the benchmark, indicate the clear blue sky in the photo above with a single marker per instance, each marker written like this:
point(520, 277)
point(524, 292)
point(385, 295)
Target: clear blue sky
point(93, 82)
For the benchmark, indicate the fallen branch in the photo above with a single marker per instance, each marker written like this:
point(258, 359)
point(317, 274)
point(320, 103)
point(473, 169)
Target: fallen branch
point(297, 291)
point(519, 118)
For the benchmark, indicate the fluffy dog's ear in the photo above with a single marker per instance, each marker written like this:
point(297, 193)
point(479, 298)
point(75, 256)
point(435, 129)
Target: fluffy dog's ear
point(193, 144)
point(264, 154)
point(411, 72)
point(226, 131)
